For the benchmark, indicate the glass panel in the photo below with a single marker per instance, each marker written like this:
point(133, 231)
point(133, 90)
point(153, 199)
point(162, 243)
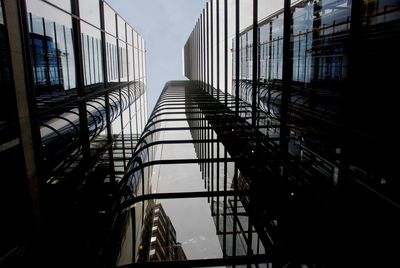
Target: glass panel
point(246, 13)
point(129, 34)
point(121, 28)
point(277, 47)
point(116, 126)
point(302, 42)
point(267, 7)
point(42, 9)
point(136, 66)
point(70, 57)
point(140, 58)
point(135, 36)
point(130, 63)
point(92, 59)
point(122, 61)
point(112, 64)
point(90, 11)
point(64, 4)
point(109, 20)
point(51, 47)
point(54, 64)
point(134, 116)
point(126, 120)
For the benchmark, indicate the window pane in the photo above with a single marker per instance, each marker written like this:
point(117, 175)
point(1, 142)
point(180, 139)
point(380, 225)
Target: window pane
point(64, 4)
point(89, 10)
point(109, 20)
point(121, 29)
point(51, 48)
point(112, 66)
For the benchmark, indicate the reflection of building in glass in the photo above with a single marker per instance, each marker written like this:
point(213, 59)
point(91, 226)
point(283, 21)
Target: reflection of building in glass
point(159, 238)
point(73, 105)
point(302, 114)
point(291, 119)
point(47, 67)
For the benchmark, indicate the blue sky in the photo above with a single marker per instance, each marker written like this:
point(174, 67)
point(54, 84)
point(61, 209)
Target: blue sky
point(165, 26)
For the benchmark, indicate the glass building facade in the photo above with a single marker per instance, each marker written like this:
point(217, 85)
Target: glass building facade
point(311, 86)
point(73, 105)
point(279, 151)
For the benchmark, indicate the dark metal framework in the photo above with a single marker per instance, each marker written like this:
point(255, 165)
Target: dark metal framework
point(218, 136)
point(321, 167)
point(295, 172)
point(86, 82)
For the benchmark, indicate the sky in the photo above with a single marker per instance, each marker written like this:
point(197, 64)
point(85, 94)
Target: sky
point(165, 26)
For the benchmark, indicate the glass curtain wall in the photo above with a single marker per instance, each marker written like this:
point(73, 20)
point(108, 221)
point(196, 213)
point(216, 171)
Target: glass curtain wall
point(186, 163)
point(112, 82)
point(298, 76)
point(89, 108)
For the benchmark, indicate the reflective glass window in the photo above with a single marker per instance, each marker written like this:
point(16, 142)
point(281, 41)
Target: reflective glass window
point(130, 63)
point(136, 61)
point(129, 34)
point(123, 62)
point(121, 29)
point(64, 4)
point(89, 10)
point(264, 31)
point(112, 64)
point(92, 59)
point(302, 42)
point(277, 48)
point(51, 48)
point(109, 20)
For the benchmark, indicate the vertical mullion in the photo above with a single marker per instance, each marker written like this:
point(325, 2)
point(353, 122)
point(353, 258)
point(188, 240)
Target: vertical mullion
point(66, 57)
point(255, 63)
point(134, 81)
point(89, 75)
point(286, 61)
point(284, 132)
point(208, 48)
point(129, 87)
point(140, 84)
point(106, 94)
point(211, 135)
point(46, 57)
point(204, 51)
point(212, 48)
point(57, 58)
point(94, 62)
point(234, 211)
point(34, 52)
point(225, 202)
point(119, 73)
point(217, 47)
point(83, 123)
point(237, 56)
point(226, 50)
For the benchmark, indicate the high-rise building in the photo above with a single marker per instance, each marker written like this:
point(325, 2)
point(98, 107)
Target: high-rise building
point(159, 238)
point(310, 84)
point(286, 124)
point(73, 105)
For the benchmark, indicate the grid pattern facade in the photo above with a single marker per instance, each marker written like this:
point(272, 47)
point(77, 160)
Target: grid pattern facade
point(322, 180)
point(73, 105)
